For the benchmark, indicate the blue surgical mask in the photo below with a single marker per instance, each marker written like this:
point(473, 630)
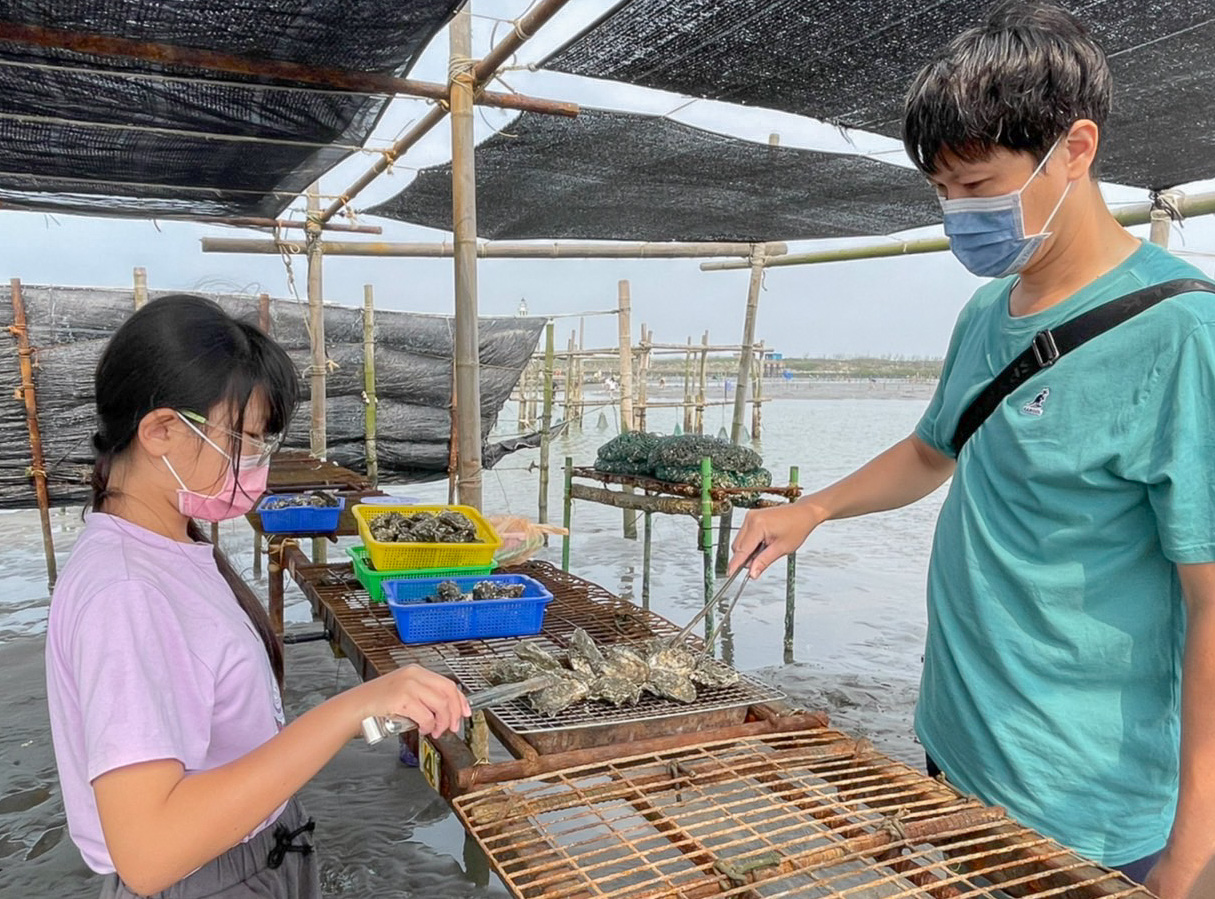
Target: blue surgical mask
point(987, 234)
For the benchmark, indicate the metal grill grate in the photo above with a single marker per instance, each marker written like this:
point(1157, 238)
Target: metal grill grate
point(807, 814)
point(520, 717)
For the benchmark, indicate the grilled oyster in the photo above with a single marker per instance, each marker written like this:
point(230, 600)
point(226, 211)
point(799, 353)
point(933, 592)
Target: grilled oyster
point(560, 696)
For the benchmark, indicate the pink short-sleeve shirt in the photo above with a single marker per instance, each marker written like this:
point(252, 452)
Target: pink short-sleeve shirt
point(148, 656)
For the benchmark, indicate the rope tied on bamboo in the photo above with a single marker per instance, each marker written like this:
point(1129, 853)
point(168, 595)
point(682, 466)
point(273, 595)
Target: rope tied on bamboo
point(517, 25)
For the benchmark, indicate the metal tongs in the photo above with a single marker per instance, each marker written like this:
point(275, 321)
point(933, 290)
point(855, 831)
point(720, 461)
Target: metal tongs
point(744, 569)
point(377, 727)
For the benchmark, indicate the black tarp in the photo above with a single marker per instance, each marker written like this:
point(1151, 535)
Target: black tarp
point(851, 61)
point(59, 151)
point(621, 176)
point(69, 327)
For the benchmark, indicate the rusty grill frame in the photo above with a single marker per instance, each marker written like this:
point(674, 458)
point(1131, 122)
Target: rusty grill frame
point(703, 821)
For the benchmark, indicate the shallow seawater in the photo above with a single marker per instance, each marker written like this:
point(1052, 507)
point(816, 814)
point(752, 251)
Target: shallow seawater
point(859, 630)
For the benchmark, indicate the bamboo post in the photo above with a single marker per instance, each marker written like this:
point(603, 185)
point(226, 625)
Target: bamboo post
point(704, 382)
point(521, 387)
point(757, 394)
point(569, 378)
point(740, 392)
point(318, 442)
point(790, 584)
point(37, 469)
point(464, 226)
point(624, 302)
point(581, 377)
point(546, 423)
point(687, 389)
point(263, 313)
point(141, 287)
point(1161, 219)
point(369, 397)
point(567, 514)
point(643, 375)
point(706, 535)
point(647, 557)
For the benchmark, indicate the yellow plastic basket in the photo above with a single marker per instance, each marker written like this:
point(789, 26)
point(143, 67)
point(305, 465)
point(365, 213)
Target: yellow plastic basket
point(398, 556)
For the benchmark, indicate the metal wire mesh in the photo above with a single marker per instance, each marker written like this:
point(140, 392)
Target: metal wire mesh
point(520, 717)
point(807, 814)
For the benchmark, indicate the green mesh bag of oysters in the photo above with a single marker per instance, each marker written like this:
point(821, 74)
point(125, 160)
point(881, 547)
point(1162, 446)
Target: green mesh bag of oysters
point(677, 460)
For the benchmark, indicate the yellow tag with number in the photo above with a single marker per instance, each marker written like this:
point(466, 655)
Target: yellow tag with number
point(428, 761)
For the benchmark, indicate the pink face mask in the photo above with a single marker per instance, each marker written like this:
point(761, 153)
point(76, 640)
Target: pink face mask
point(238, 495)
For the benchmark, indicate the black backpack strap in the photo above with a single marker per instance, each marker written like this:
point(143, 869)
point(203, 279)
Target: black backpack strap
point(1049, 345)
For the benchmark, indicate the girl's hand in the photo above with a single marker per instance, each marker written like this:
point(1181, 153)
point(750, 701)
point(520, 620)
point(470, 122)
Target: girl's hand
point(430, 700)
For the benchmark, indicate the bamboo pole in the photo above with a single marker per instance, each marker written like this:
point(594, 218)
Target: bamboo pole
point(1136, 214)
point(790, 583)
point(568, 386)
point(141, 287)
point(318, 441)
point(37, 469)
point(546, 424)
point(489, 249)
point(293, 74)
point(706, 536)
point(643, 377)
point(581, 374)
point(567, 514)
point(263, 314)
point(624, 304)
point(687, 388)
point(1161, 217)
point(478, 74)
point(704, 383)
point(757, 394)
point(369, 396)
point(464, 226)
point(647, 557)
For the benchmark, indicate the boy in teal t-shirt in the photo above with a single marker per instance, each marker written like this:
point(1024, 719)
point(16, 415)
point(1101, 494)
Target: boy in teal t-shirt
point(1070, 657)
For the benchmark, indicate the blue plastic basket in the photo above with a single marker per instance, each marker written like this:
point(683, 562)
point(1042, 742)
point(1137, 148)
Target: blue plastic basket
point(300, 519)
point(419, 621)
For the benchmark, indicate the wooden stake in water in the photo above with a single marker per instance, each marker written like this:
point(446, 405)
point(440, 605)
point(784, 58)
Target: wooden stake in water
point(546, 423)
point(626, 387)
point(790, 585)
point(369, 397)
point(646, 558)
point(567, 514)
point(706, 534)
point(141, 287)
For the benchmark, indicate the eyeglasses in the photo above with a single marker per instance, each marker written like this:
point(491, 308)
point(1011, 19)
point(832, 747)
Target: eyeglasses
point(250, 447)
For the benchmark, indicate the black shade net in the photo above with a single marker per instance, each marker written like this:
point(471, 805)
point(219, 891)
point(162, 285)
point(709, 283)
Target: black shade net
point(69, 328)
point(620, 176)
point(851, 62)
point(105, 135)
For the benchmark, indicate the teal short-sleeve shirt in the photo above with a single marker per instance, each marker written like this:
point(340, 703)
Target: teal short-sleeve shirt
point(1051, 681)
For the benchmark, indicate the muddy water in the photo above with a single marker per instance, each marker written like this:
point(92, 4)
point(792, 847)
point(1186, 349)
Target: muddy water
point(858, 637)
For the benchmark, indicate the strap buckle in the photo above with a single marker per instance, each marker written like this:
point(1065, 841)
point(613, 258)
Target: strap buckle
point(1045, 350)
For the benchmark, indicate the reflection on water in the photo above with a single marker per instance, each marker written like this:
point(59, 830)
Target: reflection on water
point(859, 631)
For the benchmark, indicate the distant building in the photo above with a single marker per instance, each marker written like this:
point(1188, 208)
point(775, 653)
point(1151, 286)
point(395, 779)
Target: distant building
point(773, 364)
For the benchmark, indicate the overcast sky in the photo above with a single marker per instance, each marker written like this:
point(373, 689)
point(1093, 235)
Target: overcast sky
point(899, 306)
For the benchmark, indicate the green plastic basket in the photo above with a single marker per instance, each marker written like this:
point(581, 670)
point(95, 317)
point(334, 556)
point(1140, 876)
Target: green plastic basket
point(373, 580)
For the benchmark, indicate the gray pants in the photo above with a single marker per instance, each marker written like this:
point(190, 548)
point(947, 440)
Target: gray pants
point(244, 871)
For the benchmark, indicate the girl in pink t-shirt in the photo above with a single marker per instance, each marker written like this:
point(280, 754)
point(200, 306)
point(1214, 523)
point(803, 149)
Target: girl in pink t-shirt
point(163, 672)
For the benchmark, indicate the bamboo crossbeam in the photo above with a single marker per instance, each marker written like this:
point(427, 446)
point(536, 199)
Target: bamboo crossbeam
point(669, 487)
point(1137, 214)
point(525, 27)
point(291, 74)
point(488, 249)
point(666, 505)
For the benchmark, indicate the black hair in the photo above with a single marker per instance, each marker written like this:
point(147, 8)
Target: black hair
point(185, 353)
point(1018, 80)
